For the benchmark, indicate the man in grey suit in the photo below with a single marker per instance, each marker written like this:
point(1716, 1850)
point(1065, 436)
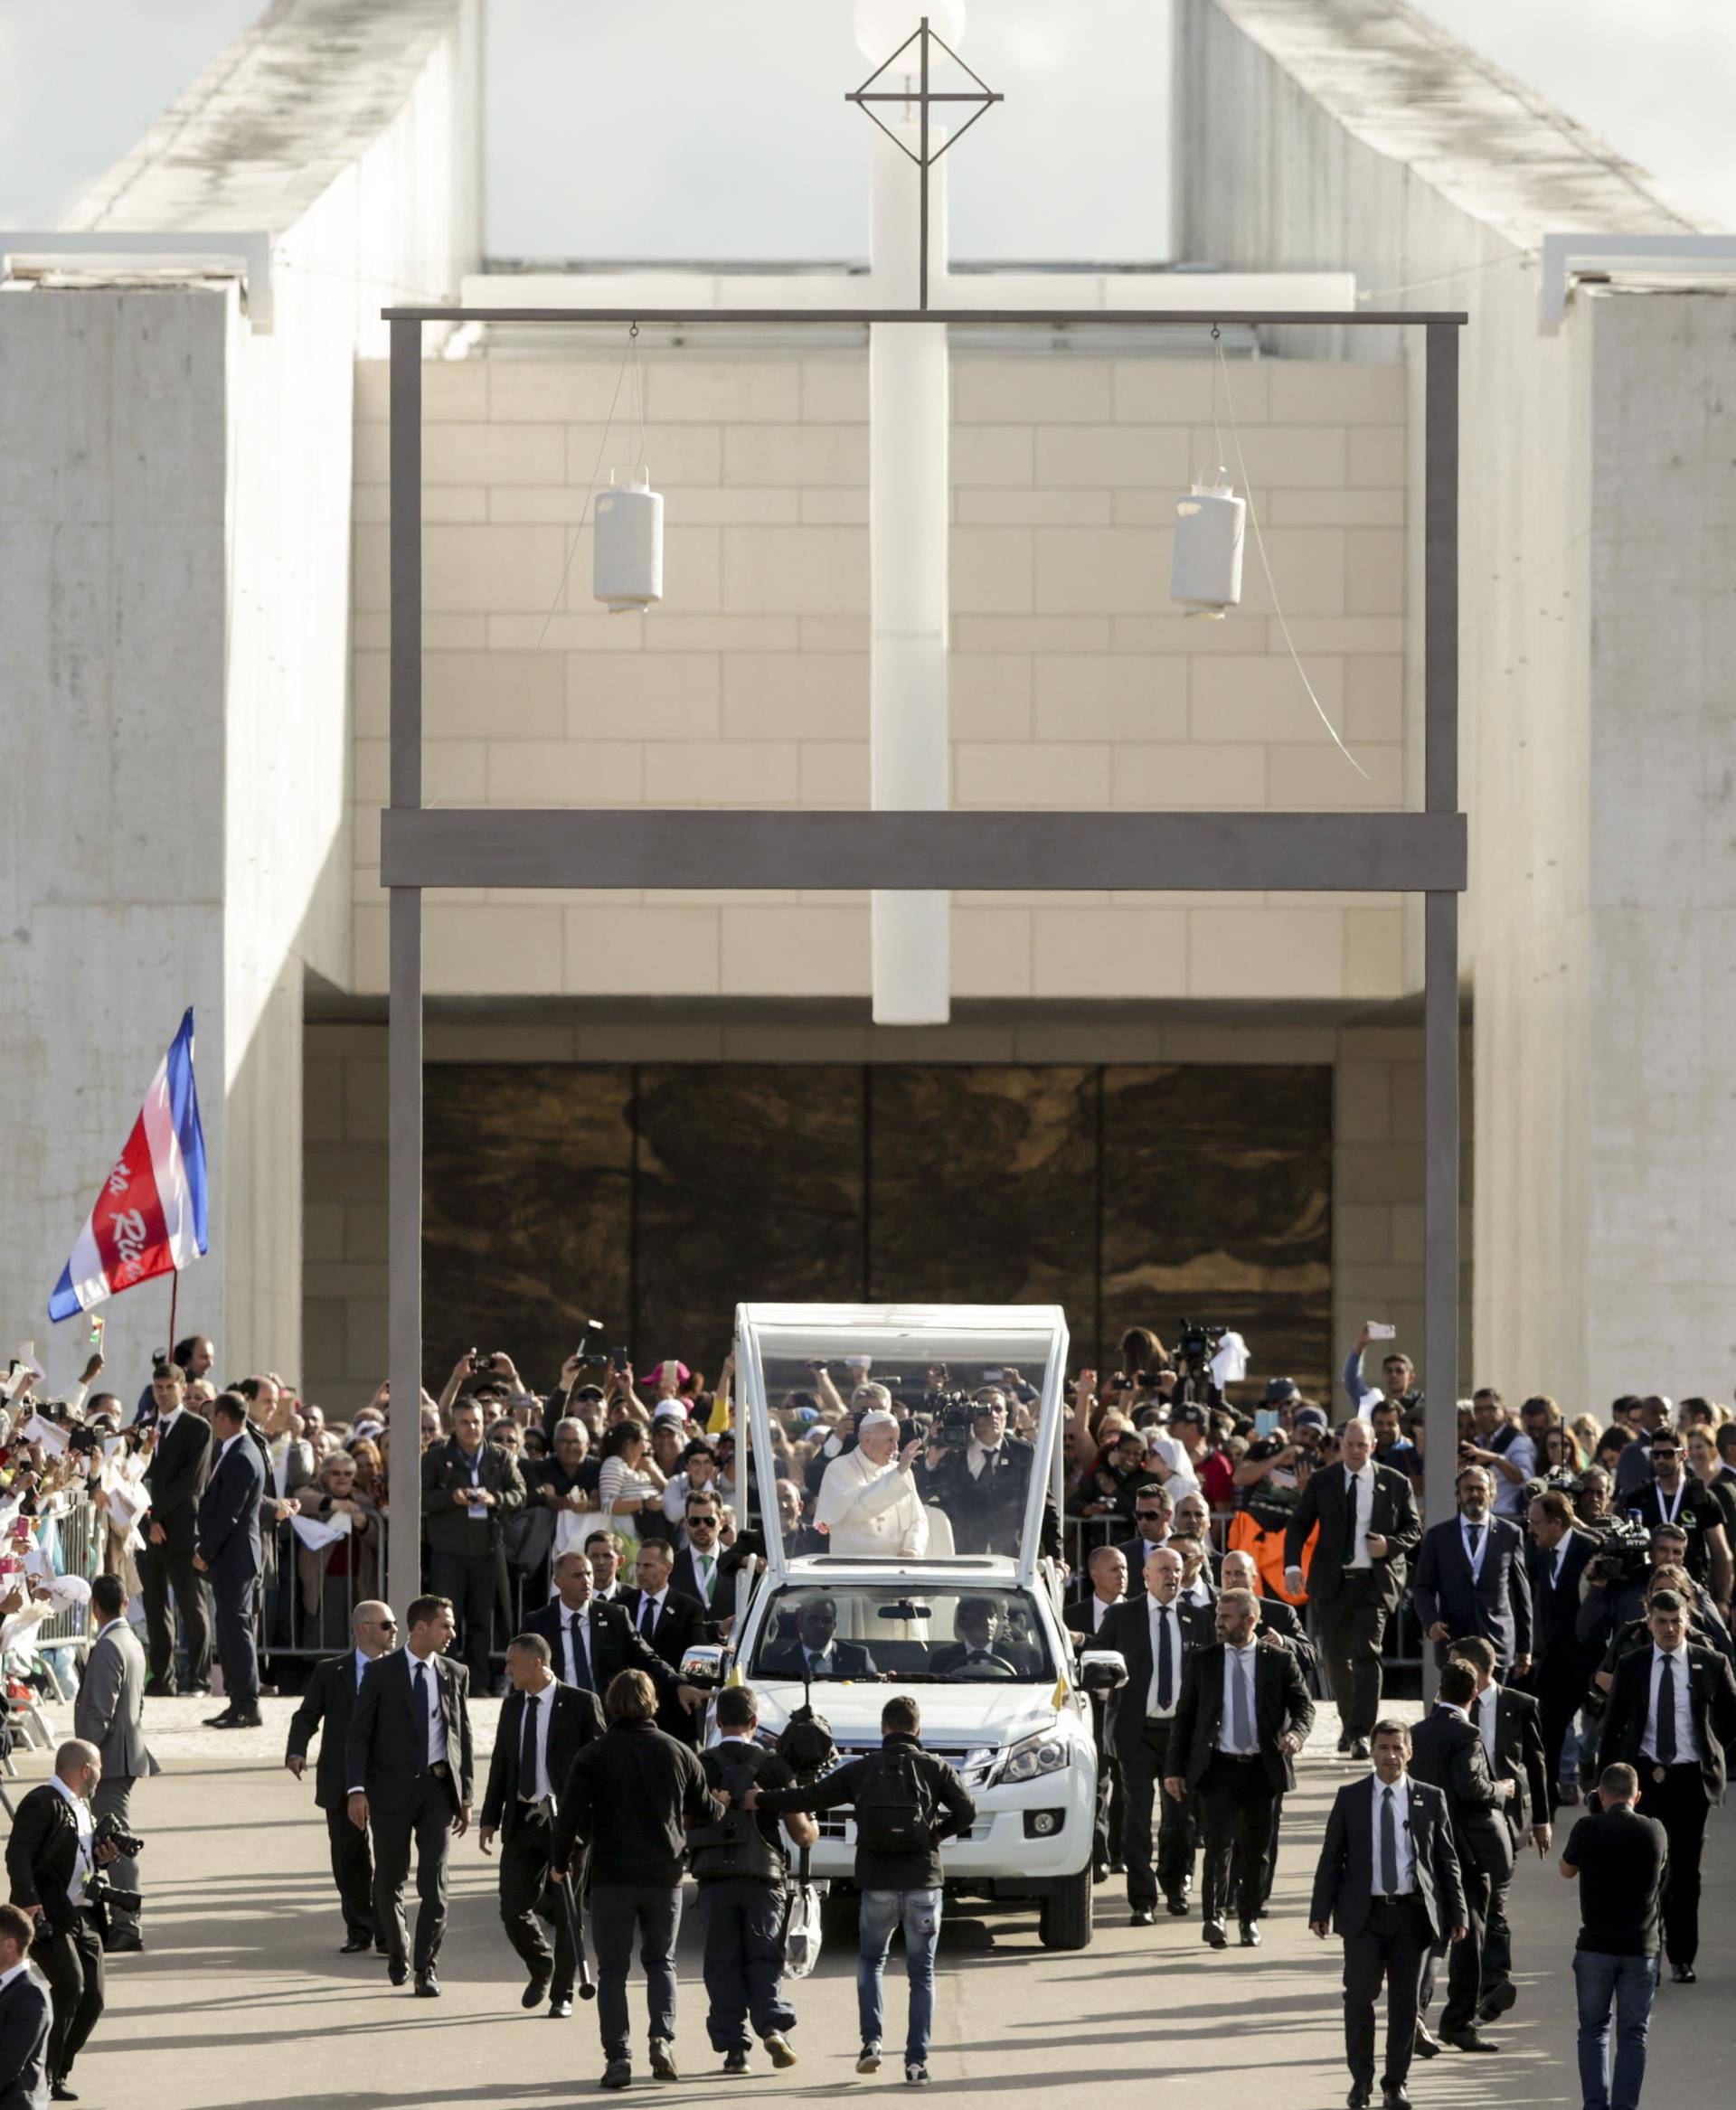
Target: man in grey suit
point(109, 1713)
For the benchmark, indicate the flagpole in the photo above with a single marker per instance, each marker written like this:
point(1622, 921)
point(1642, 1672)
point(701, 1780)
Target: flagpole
point(175, 1292)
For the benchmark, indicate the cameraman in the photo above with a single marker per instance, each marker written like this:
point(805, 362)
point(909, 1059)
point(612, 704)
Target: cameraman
point(983, 1482)
point(906, 1801)
point(50, 1857)
point(1618, 1581)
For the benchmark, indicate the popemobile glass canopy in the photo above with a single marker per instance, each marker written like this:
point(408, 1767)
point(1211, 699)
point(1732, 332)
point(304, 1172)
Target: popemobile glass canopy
point(946, 1429)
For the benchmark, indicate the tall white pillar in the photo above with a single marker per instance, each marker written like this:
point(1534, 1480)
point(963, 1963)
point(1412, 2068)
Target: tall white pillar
point(907, 535)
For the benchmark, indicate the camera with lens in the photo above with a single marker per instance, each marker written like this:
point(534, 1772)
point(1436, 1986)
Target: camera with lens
point(107, 1832)
point(1195, 1346)
point(950, 1415)
point(1624, 1555)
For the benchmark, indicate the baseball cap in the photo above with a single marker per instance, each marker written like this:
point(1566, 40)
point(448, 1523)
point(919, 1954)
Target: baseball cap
point(678, 1371)
point(1278, 1390)
point(670, 1411)
point(1194, 1417)
point(1311, 1417)
point(588, 1392)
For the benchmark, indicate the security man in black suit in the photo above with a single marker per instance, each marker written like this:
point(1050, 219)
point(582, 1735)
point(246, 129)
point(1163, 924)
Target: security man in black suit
point(1243, 1715)
point(1471, 1579)
point(698, 1569)
point(1388, 1884)
point(232, 1554)
point(1447, 1752)
point(590, 1639)
point(669, 1624)
point(983, 1485)
point(814, 1649)
point(26, 2016)
point(50, 1857)
point(543, 1727)
point(1510, 1729)
point(330, 1699)
point(1278, 1623)
point(411, 1772)
point(1155, 1633)
point(1561, 1662)
point(1672, 1716)
point(1368, 1527)
point(175, 1476)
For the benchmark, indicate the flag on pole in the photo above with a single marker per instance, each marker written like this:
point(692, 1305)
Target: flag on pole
point(150, 1218)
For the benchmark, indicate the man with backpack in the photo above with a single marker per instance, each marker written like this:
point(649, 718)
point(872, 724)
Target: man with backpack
point(906, 1801)
point(739, 1866)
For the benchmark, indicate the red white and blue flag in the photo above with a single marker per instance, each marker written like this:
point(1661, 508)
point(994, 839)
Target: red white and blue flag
point(150, 1218)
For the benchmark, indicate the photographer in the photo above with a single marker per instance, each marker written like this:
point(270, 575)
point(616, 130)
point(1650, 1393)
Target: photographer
point(906, 1801)
point(51, 1858)
point(981, 1476)
point(1619, 1577)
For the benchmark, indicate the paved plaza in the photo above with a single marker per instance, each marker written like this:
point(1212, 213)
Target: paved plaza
point(240, 1999)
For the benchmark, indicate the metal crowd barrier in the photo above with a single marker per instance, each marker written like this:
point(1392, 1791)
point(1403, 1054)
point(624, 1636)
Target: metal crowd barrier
point(288, 1623)
point(79, 1534)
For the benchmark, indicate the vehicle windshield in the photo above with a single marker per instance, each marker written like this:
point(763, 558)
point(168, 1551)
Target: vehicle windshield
point(892, 1632)
point(951, 1473)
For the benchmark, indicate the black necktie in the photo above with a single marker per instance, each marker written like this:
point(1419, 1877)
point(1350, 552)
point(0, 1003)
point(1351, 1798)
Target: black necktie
point(1350, 1516)
point(421, 1710)
point(527, 1750)
point(1473, 1539)
point(580, 1660)
point(647, 1616)
point(1166, 1663)
point(1663, 1737)
point(1389, 1846)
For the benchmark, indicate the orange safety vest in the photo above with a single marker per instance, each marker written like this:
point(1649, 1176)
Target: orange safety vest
point(1246, 1536)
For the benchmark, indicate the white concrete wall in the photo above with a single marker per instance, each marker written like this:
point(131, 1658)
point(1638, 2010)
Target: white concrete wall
point(1592, 495)
point(1074, 681)
point(174, 496)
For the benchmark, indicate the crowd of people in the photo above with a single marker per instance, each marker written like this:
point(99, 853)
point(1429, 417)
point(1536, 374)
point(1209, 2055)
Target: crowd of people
point(1243, 1548)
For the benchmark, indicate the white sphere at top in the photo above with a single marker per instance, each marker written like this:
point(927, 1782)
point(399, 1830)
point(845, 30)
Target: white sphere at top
point(883, 25)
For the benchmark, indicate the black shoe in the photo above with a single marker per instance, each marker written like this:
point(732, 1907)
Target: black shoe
point(1469, 2040)
point(253, 1721)
point(618, 2074)
point(219, 1721)
point(1142, 1915)
point(357, 1946)
point(1497, 2000)
point(1684, 1974)
point(1250, 1934)
point(1343, 1744)
point(1214, 1934)
point(1567, 1793)
point(1179, 1905)
point(1360, 2096)
point(1359, 1749)
point(1428, 2044)
point(428, 1987)
point(561, 2007)
point(735, 2062)
point(537, 1990)
point(126, 1941)
point(663, 2061)
point(398, 1970)
point(1395, 2098)
point(1117, 1867)
point(382, 1948)
point(61, 2093)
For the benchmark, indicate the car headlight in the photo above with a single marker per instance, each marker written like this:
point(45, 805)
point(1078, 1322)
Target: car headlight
point(1035, 1758)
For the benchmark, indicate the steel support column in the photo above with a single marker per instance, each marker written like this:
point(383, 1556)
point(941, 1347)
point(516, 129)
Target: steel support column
point(1441, 923)
point(404, 1012)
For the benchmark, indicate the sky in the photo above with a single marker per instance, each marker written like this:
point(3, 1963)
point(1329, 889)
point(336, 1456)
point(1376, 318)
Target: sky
point(717, 128)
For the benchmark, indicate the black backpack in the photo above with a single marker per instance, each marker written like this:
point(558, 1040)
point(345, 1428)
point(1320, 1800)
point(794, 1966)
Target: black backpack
point(894, 1811)
point(734, 1845)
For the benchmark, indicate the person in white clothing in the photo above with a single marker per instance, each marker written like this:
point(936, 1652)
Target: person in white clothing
point(868, 1502)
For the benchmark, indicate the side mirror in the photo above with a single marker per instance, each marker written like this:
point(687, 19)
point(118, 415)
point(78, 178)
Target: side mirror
point(703, 1665)
point(1102, 1670)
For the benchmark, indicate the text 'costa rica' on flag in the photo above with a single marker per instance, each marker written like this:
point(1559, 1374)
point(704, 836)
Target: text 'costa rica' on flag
point(150, 1218)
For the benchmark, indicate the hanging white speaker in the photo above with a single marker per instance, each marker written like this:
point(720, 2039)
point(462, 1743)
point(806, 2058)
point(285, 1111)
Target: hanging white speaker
point(626, 565)
point(1205, 575)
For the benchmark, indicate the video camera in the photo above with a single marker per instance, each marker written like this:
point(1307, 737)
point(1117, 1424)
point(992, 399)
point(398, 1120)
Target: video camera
point(1624, 1555)
point(950, 1415)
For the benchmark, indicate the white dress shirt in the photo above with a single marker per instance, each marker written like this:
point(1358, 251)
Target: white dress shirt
point(1483, 1713)
point(1156, 1615)
point(537, 1785)
point(6, 1977)
point(362, 1663)
point(1482, 1552)
point(227, 1445)
point(582, 1643)
point(436, 1718)
point(1361, 1490)
point(1687, 1745)
point(1099, 1605)
point(82, 1867)
point(1198, 1592)
point(1400, 1792)
point(704, 1572)
point(978, 1455)
point(647, 1627)
point(1238, 1665)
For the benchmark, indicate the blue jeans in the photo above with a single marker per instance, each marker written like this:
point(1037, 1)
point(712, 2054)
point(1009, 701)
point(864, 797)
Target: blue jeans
point(881, 1911)
point(1629, 1985)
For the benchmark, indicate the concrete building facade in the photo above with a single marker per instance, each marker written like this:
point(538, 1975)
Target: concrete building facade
point(198, 597)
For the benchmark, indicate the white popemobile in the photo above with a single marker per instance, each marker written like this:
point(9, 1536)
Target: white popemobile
point(977, 1639)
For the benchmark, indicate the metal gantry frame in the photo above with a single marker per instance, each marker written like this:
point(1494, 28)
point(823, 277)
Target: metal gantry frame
point(957, 852)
